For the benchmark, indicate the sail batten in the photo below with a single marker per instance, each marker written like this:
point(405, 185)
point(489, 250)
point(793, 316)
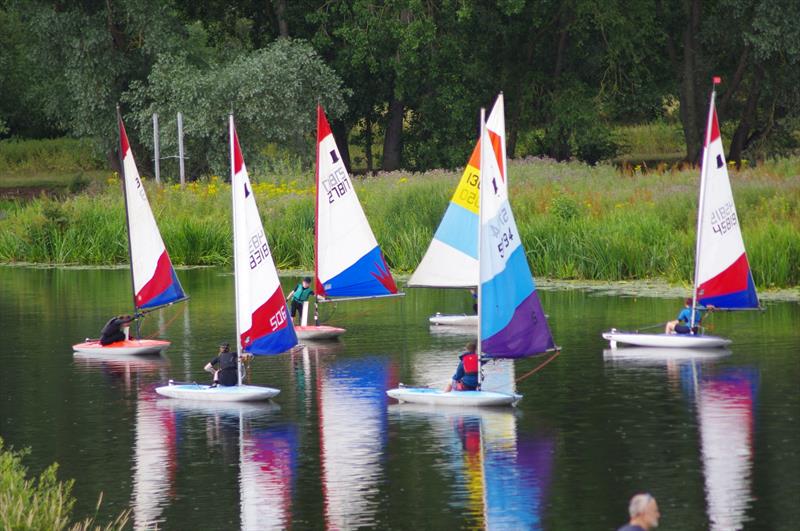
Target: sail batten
point(512, 322)
point(722, 272)
point(154, 281)
point(349, 261)
point(262, 319)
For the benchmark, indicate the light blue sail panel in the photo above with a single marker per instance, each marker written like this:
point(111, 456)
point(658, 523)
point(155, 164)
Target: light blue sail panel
point(503, 293)
point(458, 229)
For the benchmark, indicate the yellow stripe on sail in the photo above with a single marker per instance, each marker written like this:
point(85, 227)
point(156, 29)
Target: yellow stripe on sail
point(467, 193)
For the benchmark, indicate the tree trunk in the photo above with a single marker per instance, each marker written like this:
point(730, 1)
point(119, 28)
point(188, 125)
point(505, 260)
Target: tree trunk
point(339, 130)
point(280, 13)
point(393, 140)
point(740, 137)
point(368, 143)
point(690, 112)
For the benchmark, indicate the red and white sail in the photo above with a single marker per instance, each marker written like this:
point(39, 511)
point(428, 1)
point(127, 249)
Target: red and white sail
point(154, 280)
point(263, 324)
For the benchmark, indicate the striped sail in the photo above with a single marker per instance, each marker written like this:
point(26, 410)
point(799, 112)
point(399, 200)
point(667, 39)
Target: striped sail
point(512, 323)
point(349, 262)
point(722, 277)
point(451, 260)
point(262, 319)
point(154, 280)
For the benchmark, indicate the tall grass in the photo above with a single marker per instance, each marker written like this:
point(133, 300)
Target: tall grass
point(576, 221)
point(56, 154)
point(41, 503)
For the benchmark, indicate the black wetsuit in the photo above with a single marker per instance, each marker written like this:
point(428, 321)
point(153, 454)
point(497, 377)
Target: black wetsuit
point(112, 332)
point(227, 368)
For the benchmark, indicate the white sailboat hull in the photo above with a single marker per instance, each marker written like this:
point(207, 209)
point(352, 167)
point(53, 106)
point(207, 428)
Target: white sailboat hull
point(663, 354)
point(462, 319)
point(221, 393)
point(123, 348)
point(318, 332)
point(664, 340)
point(437, 397)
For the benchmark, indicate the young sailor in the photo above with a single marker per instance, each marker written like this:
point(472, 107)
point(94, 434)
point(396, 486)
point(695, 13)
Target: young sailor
point(681, 324)
point(467, 374)
point(300, 295)
point(112, 331)
point(226, 374)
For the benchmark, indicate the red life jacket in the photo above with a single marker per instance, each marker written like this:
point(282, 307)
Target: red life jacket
point(471, 363)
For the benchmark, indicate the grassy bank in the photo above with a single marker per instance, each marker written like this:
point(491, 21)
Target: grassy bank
point(577, 222)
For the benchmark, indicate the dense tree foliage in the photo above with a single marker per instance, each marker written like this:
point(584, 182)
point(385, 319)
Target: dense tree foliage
point(403, 79)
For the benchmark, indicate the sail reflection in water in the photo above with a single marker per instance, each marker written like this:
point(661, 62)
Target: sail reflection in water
point(725, 412)
point(155, 463)
point(352, 408)
point(503, 476)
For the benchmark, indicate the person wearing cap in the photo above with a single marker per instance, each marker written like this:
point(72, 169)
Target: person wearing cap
point(227, 372)
point(300, 295)
point(681, 324)
point(644, 513)
point(112, 331)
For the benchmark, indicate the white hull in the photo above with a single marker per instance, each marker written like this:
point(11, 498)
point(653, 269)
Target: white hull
point(664, 340)
point(318, 332)
point(437, 397)
point(233, 393)
point(123, 348)
point(454, 320)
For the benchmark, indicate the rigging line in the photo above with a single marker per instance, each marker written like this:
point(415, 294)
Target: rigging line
point(538, 367)
point(163, 329)
point(657, 325)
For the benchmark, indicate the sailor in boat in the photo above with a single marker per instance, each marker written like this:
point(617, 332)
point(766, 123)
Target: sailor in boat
point(681, 324)
point(226, 374)
point(467, 376)
point(474, 293)
point(113, 330)
point(300, 295)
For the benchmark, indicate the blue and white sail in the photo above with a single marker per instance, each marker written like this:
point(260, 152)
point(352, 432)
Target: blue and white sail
point(512, 322)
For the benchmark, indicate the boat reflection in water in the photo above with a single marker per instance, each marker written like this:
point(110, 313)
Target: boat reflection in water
point(351, 395)
point(131, 371)
point(504, 475)
point(724, 399)
point(725, 403)
point(266, 453)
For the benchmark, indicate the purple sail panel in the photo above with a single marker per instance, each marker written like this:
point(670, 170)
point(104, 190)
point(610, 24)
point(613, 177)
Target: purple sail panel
point(527, 334)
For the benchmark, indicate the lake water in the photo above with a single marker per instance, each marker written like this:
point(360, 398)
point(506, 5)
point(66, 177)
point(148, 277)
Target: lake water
point(715, 439)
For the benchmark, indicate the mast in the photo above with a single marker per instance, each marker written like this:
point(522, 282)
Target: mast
point(701, 201)
point(481, 210)
point(317, 282)
point(122, 151)
point(231, 133)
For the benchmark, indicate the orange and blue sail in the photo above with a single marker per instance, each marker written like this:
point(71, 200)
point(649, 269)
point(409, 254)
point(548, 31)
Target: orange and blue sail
point(349, 261)
point(154, 280)
point(263, 323)
point(512, 322)
point(723, 276)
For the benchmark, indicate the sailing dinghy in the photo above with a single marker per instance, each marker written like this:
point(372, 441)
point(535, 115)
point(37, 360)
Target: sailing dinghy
point(153, 278)
point(262, 320)
point(511, 323)
point(722, 275)
point(348, 261)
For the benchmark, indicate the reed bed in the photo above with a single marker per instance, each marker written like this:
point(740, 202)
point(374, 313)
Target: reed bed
point(576, 221)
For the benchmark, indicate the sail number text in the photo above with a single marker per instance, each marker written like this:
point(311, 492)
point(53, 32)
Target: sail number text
point(502, 231)
point(468, 195)
point(277, 320)
point(259, 249)
point(723, 218)
point(336, 184)
point(140, 189)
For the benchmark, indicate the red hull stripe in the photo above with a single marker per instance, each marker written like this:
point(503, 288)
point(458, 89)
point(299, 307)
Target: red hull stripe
point(268, 318)
point(731, 280)
point(161, 280)
point(714, 126)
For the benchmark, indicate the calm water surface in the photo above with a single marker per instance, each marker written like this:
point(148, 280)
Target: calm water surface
point(714, 438)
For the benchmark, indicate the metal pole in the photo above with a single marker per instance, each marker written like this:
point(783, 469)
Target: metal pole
point(180, 149)
point(156, 149)
point(701, 205)
point(481, 191)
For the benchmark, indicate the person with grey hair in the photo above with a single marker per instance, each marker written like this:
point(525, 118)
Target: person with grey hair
point(644, 513)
